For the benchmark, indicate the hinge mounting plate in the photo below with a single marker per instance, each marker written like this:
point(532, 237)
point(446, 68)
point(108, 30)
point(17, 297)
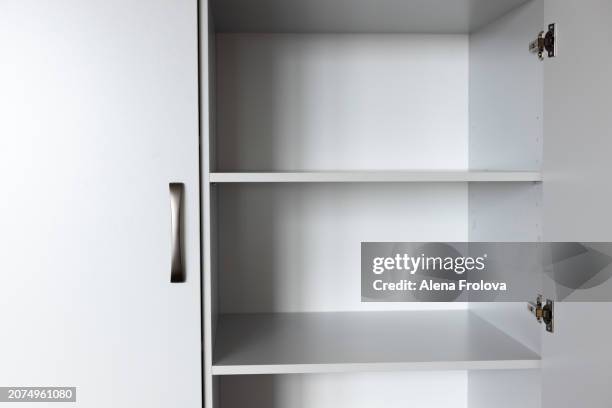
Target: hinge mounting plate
point(546, 43)
point(544, 312)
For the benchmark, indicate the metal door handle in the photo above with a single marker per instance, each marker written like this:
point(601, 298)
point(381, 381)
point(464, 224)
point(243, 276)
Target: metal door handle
point(177, 270)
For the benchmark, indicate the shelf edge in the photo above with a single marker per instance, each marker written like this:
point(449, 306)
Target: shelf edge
point(378, 177)
point(375, 367)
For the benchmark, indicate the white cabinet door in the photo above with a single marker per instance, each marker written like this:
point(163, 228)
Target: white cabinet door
point(98, 114)
point(577, 358)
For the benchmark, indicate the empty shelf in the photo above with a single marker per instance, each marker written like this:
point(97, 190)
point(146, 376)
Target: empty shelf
point(377, 177)
point(363, 341)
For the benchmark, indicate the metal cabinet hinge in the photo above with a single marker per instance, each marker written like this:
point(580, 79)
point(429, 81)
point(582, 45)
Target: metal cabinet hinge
point(544, 312)
point(545, 43)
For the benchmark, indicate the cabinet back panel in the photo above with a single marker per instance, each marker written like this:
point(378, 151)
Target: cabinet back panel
point(296, 248)
point(504, 389)
point(391, 390)
point(341, 102)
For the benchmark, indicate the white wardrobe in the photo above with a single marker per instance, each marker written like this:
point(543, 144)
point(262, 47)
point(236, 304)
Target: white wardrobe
point(185, 185)
point(330, 123)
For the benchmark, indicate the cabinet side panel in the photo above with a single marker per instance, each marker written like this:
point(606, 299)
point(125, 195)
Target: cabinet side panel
point(507, 213)
point(506, 84)
point(209, 196)
point(506, 93)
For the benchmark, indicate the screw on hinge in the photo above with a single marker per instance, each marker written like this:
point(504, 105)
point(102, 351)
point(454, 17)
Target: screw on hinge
point(537, 46)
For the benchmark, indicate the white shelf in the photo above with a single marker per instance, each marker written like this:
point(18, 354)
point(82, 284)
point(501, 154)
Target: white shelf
point(363, 341)
point(377, 177)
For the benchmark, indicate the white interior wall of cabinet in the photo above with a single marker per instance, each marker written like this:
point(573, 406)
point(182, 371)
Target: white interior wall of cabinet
point(296, 248)
point(211, 64)
point(506, 86)
point(506, 95)
point(358, 16)
point(214, 262)
point(333, 102)
point(360, 390)
point(336, 102)
point(506, 116)
point(507, 213)
point(342, 102)
point(210, 270)
point(504, 389)
point(213, 280)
